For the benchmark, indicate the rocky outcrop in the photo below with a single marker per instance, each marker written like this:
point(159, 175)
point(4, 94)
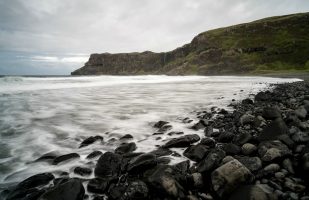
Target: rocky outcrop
point(276, 43)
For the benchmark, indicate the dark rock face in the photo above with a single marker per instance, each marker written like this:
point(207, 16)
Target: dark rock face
point(126, 148)
point(108, 165)
point(273, 130)
point(65, 157)
point(183, 141)
point(71, 190)
point(142, 163)
point(197, 152)
point(90, 140)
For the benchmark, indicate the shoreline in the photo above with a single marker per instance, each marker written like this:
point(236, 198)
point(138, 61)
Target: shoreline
point(265, 141)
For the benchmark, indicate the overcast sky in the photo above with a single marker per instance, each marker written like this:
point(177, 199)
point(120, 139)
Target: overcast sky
point(57, 36)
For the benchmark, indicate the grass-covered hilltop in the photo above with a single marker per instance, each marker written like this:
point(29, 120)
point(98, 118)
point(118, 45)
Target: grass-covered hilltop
point(270, 45)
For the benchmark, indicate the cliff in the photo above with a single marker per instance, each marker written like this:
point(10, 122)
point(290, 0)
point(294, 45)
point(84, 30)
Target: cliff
point(271, 44)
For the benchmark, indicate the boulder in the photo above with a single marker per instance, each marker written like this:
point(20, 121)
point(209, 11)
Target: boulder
point(82, 171)
point(242, 138)
point(271, 113)
point(301, 112)
point(247, 101)
point(212, 160)
point(161, 152)
point(94, 154)
point(65, 157)
point(225, 137)
point(246, 119)
point(108, 166)
point(98, 185)
point(183, 141)
point(90, 140)
point(248, 149)
point(253, 192)
point(142, 162)
point(70, 190)
point(209, 142)
point(196, 152)
point(126, 148)
point(126, 137)
point(47, 157)
point(273, 150)
point(273, 130)
point(160, 124)
point(136, 190)
point(252, 163)
point(262, 96)
point(228, 177)
point(231, 149)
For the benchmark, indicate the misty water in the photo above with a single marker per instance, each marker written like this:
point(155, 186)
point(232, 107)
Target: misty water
point(41, 115)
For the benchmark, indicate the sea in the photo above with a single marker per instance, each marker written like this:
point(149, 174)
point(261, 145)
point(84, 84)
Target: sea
point(39, 115)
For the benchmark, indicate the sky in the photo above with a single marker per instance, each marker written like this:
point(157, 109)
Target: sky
point(55, 37)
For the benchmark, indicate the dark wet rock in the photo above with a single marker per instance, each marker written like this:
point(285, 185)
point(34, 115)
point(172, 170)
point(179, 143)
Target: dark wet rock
point(94, 154)
point(163, 183)
point(165, 128)
point(24, 194)
point(272, 168)
point(108, 165)
point(82, 171)
point(273, 150)
point(162, 152)
point(223, 112)
point(262, 96)
point(301, 112)
point(27, 187)
point(225, 137)
point(230, 176)
point(65, 157)
point(47, 157)
point(142, 162)
point(91, 140)
point(295, 187)
point(196, 152)
point(71, 190)
point(287, 140)
point(175, 133)
point(212, 160)
point(163, 160)
point(271, 113)
point(246, 119)
point(273, 130)
point(158, 133)
point(116, 191)
point(182, 167)
point(247, 101)
point(209, 142)
point(127, 136)
point(253, 192)
point(183, 141)
point(160, 124)
point(248, 149)
point(231, 149)
point(287, 164)
point(136, 190)
point(208, 131)
point(300, 137)
point(60, 180)
point(199, 125)
point(126, 148)
point(252, 163)
point(242, 138)
point(98, 185)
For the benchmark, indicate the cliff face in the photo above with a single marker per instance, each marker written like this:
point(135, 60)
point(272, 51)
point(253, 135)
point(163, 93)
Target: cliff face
point(271, 44)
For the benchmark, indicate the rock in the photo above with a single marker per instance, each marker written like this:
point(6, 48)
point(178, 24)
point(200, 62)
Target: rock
point(165, 128)
point(287, 164)
point(261, 96)
point(273, 150)
point(142, 162)
point(231, 149)
point(228, 177)
point(160, 124)
point(28, 186)
point(161, 152)
point(271, 113)
point(65, 157)
point(136, 190)
point(273, 130)
point(126, 148)
point(71, 190)
point(225, 137)
point(301, 112)
point(272, 168)
point(252, 163)
point(211, 161)
point(108, 166)
point(90, 140)
point(208, 131)
point(197, 180)
point(127, 136)
point(82, 171)
point(196, 152)
point(162, 180)
point(287, 140)
point(183, 141)
point(175, 133)
point(209, 142)
point(253, 192)
point(47, 157)
point(247, 101)
point(242, 138)
point(98, 185)
point(294, 186)
point(248, 149)
point(246, 119)
point(116, 191)
point(182, 167)
point(94, 154)
point(227, 159)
